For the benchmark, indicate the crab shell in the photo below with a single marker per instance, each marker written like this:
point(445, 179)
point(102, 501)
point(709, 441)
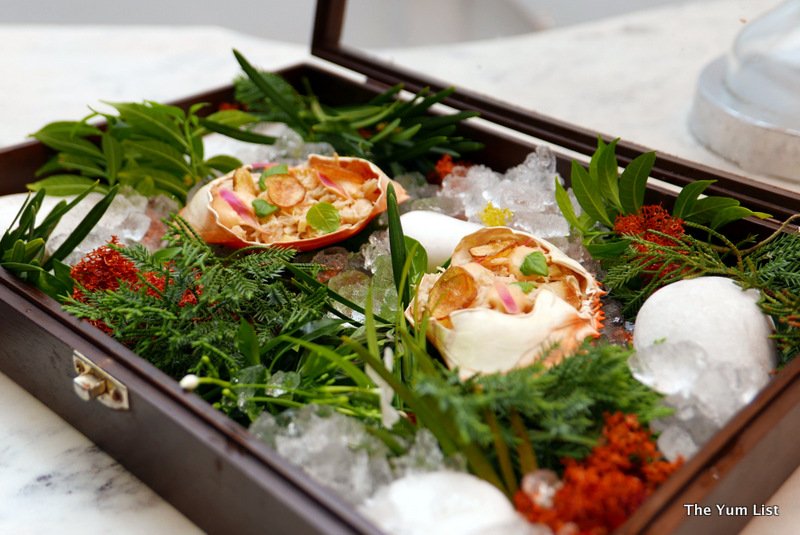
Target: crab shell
point(206, 221)
point(484, 340)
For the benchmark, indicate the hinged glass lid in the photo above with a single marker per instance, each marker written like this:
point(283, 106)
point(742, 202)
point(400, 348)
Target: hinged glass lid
point(627, 69)
point(748, 102)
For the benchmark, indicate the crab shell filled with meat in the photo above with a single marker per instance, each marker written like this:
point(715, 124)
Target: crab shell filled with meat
point(507, 300)
point(270, 204)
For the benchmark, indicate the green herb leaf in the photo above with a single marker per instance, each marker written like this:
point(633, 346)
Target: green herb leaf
point(687, 198)
point(397, 245)
point(586, 192)
point(234, 118)
point(247, 343)
point(729, 215)
point(535, 264)
point(69, 129)
point(386, 131)
point(274, 88)
point(281, 169)
point(70, 145)
point(567, 210)
point(112, 149)
point(156, 121)
point(526, 286)
point(236, 133)
point(224, 163)
point(87, 166)
point(324, 217)
point(419, 259)
point(263, 209)
point(159, 179)
point(706, 208)
point(62, 185)
point(603, 170)
point(609, 249)
point(160, 154)
point(633, 182)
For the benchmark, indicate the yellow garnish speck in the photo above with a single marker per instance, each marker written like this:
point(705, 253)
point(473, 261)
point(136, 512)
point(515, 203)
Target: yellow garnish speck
point(493, 216)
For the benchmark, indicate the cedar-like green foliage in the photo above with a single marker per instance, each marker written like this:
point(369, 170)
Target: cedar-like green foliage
point(771, 266)
point(174, 331)
point(562, 407)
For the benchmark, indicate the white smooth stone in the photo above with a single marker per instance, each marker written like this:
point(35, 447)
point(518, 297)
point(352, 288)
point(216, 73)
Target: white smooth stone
point(454, 502)
point(713, 312)
point(438, 233)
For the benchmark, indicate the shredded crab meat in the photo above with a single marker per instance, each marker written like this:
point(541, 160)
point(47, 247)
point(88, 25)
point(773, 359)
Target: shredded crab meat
point(293, 194)
point(507, 300)
point(495, 273)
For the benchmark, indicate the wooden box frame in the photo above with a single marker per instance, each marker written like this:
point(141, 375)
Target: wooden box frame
point(225, 480)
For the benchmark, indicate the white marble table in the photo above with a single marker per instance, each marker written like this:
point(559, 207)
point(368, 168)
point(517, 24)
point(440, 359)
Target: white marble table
point(51, 477)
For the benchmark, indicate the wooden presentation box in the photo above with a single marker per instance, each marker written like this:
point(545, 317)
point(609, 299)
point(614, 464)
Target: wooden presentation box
point(227, 481)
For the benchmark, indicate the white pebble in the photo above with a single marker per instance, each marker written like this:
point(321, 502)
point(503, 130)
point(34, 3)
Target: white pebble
point(716, 314)
point(438, 233)
point(444, 503)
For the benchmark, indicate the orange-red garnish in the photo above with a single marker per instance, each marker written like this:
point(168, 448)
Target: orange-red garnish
point(106, 268)
point(599, 493)
point(445, 166)
point(651, 218)
point(103, 269)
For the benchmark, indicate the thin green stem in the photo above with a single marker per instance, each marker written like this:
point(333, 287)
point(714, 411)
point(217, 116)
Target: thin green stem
point(503, 455)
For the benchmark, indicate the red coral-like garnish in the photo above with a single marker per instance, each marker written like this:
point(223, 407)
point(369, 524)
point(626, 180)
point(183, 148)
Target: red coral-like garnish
point(599, 493)
point(103, 269)
point(651, 218)
point(445, 166)
point(106, 268)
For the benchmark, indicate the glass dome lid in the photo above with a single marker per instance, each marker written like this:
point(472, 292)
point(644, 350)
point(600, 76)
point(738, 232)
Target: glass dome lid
point(763, 67)
point(747, 106)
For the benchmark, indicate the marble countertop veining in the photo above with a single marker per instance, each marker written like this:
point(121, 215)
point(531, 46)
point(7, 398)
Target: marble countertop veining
point(54, 480)
point(51, 477)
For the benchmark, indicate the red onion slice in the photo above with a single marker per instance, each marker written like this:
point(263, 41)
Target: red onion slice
point(237, 204)
point(507, 299)
point(331, 185)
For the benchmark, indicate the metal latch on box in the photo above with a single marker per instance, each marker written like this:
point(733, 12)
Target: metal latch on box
point(93, 382)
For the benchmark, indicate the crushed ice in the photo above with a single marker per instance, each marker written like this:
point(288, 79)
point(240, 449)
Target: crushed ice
point(527, 191)
point(703, 393)
point(341, 454)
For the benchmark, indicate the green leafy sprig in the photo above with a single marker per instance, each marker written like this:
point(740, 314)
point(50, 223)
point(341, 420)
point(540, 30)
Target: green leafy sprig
point(152, 147)
point(771, 266)
point(604, 194)
point(22, 248)
point(393, 133)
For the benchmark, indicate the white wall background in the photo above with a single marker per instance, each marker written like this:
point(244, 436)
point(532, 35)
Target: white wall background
point(371, 22)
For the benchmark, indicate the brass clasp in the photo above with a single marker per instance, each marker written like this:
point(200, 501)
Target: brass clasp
point(93, 382)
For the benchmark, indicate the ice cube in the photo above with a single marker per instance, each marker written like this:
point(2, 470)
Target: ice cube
point(352, 285)
point(377, 245)
point(423, 456)
point(126, 217)
point(669, 368)
point(334, 449)
point(676, 442)
point(446, 205)
point(724, 389)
